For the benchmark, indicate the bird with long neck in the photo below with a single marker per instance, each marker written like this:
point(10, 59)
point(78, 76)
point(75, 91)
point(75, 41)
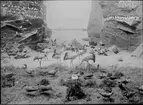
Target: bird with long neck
point(56, 56)
point(91, 57)
point(58, 50)
point(47, 51)
point(67, 56)
point(81, 53)
point(39, 58)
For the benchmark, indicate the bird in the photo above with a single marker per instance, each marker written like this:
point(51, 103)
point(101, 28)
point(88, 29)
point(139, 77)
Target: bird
point(53, 72)
point(58, 52)
point(56, 56)
point(47, 51)
point(67, 56)
point(106, 94)
point(87, 76)
point(31, 73)
point(91, 57)
point(82, 53)
point(39, 58)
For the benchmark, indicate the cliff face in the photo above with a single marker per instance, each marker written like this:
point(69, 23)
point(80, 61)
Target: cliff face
point(95, 21)
point(121, 23)
point(23, 22)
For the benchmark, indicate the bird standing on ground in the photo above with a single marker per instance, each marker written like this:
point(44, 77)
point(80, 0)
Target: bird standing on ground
point(91, 57)
point(67, 56)
point(47, 51)
point(39, 58)
point(82, 53)
point(58, 52)
point(56, 56)
point(53, 72)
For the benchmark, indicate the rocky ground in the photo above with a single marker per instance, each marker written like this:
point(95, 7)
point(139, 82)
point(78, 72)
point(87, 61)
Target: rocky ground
point(117, 80)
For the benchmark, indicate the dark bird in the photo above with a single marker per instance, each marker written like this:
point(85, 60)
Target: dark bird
point(87, 76)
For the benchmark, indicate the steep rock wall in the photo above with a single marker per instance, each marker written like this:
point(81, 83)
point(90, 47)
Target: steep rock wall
point(23, 20)
point(95, 21)
point(121, 24)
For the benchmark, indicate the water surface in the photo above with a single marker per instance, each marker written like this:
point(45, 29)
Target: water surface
point(69, 35)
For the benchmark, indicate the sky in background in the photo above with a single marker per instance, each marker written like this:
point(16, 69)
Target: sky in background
point(68, 14)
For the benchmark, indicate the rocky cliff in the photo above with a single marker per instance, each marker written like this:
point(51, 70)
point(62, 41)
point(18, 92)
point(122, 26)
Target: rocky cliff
point(23, 22)
point(116, 23)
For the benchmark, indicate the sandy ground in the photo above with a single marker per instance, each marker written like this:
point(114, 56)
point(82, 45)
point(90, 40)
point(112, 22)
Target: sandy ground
point(103, 61)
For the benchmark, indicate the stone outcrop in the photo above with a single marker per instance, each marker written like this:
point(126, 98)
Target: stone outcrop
point(23, 22)
point(121, 23)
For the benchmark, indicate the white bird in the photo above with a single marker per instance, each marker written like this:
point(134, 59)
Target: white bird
point(72, 57)
point(58, 51)
point(47, 51)
point(82, 53)
point(91, 57)
point(39, 58)
point(56, 56)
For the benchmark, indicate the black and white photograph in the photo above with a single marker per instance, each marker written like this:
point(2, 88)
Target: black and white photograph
point(71, 51)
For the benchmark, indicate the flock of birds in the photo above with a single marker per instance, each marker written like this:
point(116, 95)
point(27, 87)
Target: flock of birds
point(70, 53)
point(23, 11)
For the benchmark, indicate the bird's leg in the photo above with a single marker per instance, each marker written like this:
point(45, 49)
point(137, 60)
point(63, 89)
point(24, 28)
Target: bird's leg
point(57, 61)
point(60, 59)
point(46, 56)
point(72, 64)
point(39, 64)
point(88, 65)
